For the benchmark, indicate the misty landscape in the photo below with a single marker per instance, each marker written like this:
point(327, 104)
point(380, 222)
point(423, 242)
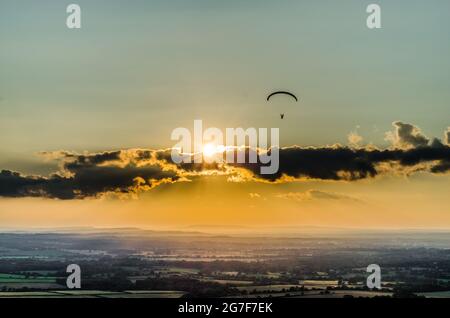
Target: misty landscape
point(129, 263)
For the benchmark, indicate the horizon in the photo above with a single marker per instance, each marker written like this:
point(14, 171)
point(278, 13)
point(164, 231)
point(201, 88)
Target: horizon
point(231, 230)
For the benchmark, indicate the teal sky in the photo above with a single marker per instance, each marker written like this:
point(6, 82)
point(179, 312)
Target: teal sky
point(136, 71)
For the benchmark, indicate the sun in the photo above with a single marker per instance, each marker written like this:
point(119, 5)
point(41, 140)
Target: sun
point(209, 150)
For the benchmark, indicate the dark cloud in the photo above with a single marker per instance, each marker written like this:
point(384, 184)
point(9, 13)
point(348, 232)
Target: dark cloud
point(342, 163)
point(409, 135)
point(12, 184)
point(86, 176)
point(442, 167)
point(135, 170)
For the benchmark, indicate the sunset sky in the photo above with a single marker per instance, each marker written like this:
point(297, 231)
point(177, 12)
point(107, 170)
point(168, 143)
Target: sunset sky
point(86, 115)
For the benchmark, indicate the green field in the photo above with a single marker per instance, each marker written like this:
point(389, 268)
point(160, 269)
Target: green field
point(22, 279)
point(179, 270)
point(276, 288)
point(227, 281)
point(94, 294)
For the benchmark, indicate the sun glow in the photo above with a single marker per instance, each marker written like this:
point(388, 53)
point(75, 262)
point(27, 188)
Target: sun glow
point(210, 150)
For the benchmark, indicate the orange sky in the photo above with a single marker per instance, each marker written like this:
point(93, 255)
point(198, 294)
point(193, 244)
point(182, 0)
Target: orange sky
point(386, 202)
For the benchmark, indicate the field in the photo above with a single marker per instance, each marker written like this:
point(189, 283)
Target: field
point(94, 294)
point(12, 278)
point(319, 283)
point(440, 294)
point(227, 281)
point(276, 288)
point(17, 281)
point(343, 293)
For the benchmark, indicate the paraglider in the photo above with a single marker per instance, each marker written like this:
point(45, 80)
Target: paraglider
point(282, 93)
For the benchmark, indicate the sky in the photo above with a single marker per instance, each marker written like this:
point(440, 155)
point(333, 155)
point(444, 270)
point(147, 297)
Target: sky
point(136, 71)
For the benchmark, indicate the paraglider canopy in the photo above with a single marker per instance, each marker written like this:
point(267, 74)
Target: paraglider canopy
point(282, 93)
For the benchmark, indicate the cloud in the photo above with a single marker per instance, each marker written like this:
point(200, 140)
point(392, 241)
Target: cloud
point(13, 184)
point(88, 175)
point(406, 135)
point(447, 136)
point(131, 171)
point(315, 195)
point(343, 163)
point(354, 139)
point(254, 195)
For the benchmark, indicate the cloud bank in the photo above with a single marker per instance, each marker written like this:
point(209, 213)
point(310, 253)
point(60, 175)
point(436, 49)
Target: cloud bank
point(128, 172)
